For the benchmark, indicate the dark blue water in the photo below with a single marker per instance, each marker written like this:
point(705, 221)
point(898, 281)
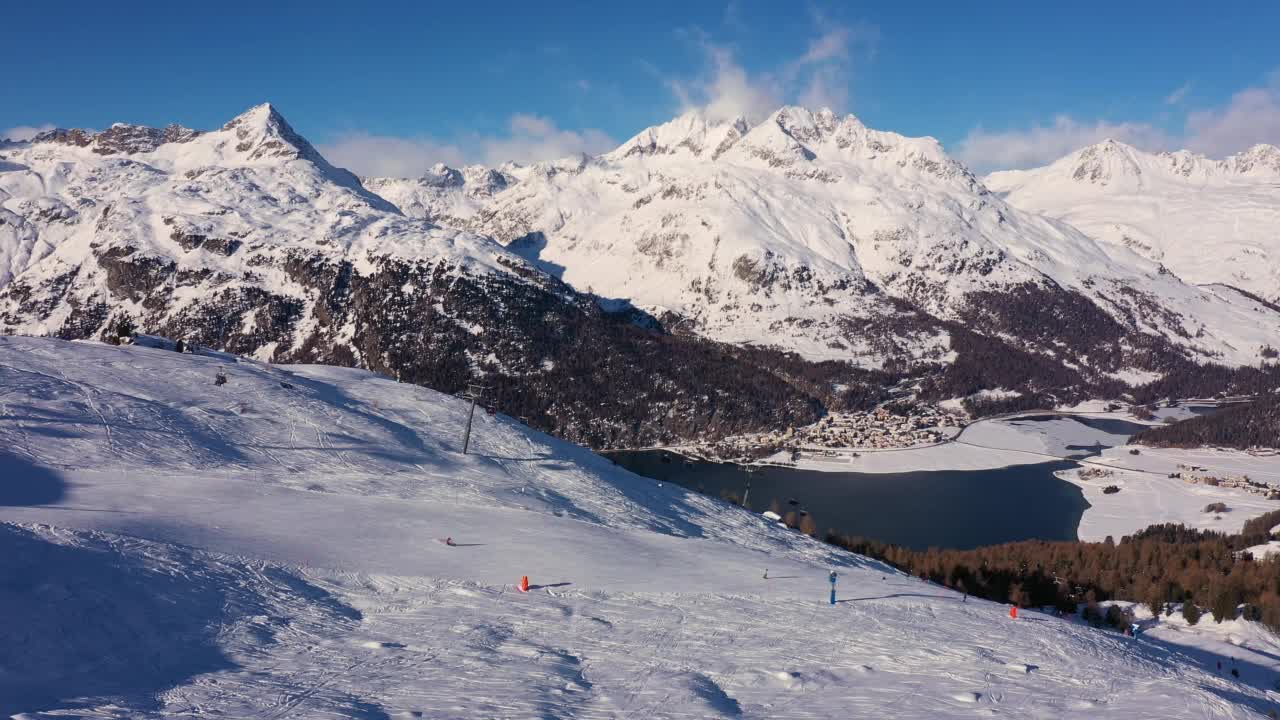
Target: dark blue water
point(951, 508)
point(948, 508)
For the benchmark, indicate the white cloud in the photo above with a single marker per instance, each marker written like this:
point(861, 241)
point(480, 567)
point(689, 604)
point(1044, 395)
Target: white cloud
point(24, 132)
point(831, 45)
point(1250, 117)
point(1042, 144)
point(728, 91)
point(529, 138)
point(826, 88)
point(818, 77)
point(1178, 95)
point(533, 138)
point(389, 156)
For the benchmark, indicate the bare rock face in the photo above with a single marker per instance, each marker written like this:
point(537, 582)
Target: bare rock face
point(120, 139)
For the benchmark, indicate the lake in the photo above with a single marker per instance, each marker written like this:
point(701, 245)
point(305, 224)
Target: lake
point(953, 509)
point(936, 508)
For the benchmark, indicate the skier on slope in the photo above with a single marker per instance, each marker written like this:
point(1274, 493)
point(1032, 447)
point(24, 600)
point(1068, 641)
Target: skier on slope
point(449, 541)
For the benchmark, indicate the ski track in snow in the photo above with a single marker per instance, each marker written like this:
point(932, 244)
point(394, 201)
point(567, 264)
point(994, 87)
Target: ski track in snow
point(207, 560)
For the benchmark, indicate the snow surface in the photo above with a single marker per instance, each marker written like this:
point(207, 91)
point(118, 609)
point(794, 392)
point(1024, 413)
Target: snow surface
point(1246, 647)
point(1178, 209)
point(1149, 496)
point(270, 548)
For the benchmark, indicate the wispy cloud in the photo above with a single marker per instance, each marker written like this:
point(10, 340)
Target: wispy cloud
point(1042, 144)
point(1249, 117)
point(389, 156)
point(1252, 116)
point(819, 77)
point(529, 138)
point(533, 138)
point(1177, 96)
point(24, 132)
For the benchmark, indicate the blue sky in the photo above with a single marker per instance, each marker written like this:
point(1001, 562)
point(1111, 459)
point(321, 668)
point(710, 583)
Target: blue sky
point(389, 90)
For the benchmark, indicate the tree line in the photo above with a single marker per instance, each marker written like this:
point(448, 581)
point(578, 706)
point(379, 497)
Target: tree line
point(1256, 424)
point(1160, 566)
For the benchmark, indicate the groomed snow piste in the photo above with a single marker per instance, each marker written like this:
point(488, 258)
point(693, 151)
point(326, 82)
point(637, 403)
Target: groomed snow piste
point(269, 548)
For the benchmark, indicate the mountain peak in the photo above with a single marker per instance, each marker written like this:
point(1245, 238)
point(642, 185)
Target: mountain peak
point(803, 124)
point(1105, 162)
point(1261, 158)
point(1111, 145)
point(692, 132)
point(262, 115)
point(263, 133)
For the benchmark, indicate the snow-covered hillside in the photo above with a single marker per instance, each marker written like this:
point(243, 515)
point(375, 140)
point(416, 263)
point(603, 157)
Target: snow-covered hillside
point(1209, 221)
point(268, 547)
point(808, 231)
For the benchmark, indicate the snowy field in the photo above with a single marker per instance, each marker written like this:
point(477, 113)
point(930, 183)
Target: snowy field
point(269, 548)
point(1148, 495)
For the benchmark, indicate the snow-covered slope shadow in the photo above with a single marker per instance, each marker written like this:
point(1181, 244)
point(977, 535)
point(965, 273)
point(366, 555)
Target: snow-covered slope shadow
point(22, 483)
point(88, 621)
point(91, 620)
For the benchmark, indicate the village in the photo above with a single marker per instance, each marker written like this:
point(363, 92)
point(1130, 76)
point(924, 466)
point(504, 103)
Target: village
point(1197, 475)
point(1192, 475)
point(839, 433)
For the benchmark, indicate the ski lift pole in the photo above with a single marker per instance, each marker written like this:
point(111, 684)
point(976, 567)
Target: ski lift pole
point(473, 392)
point(833, 587)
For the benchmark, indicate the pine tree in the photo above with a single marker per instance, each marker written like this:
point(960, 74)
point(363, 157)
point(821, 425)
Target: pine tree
point(124, 327)
point(1224, 605)
point(808, 526)
point(1017, 594)
point(1190, 613)
point(1155, 600)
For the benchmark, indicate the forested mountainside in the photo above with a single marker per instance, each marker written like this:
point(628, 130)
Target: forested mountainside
point(1251, 425)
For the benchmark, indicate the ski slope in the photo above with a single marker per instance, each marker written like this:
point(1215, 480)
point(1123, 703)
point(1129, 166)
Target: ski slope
point(269, 548)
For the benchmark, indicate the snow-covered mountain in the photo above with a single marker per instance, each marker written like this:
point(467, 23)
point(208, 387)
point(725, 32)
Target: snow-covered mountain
point(818, 234)
point(681, 286)
point(212, 213)
point(271, 547)
point(245, 238)
point(1209, 221)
